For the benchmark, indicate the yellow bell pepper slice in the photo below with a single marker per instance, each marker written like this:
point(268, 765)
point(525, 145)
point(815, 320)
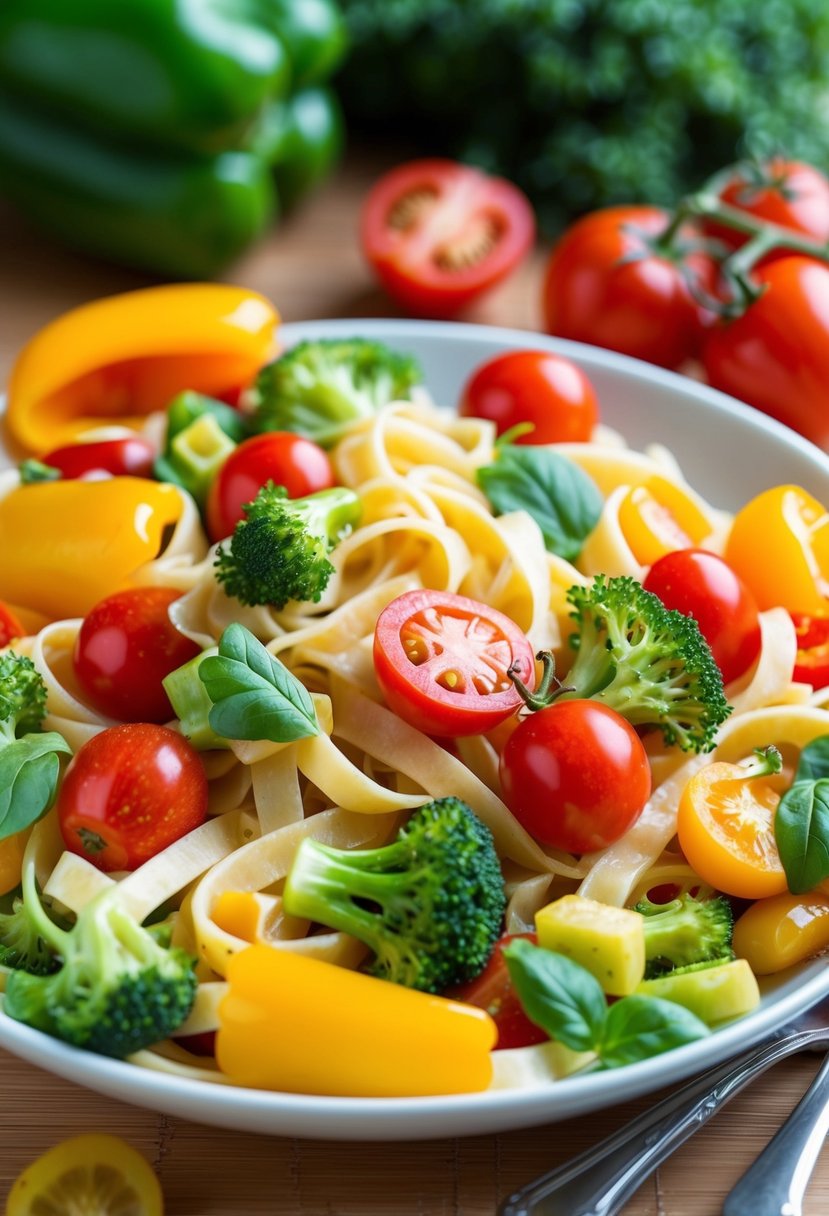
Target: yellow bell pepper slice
point(122, 357)
point(779, 546)
point(66, 545)
point(289, 1022)
point(785, 929)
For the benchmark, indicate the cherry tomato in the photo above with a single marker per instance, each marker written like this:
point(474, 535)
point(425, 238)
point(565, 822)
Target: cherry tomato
point(610, 283)
point(125, 647)
point(10, 626)
point(438, 234)
point(286, 459)
point(493, 991)
point(657, 517)
point(442, 659)
point(128, 793)
point(575, 775)
point(131, 456)
point(785, 192)
point(812, 663)
point(537, 387)
point(779, 546)
point(725, 826)
point(704, 586)
point(776, 355)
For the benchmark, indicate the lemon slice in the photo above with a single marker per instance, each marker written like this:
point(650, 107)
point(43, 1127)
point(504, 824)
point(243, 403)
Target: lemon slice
point(92, 1175)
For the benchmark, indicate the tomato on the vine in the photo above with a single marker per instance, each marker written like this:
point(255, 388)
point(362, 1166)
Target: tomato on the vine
point(438, 234)
point(286, 459)
point(611, 282)
point(442, 660)
point(703, 585)
point(493, 991)
point(547, 391)
point(129, 792)
point(125, 647)
point(811, 665)
point(788, 193)
point(575, 775)
point(130, 456)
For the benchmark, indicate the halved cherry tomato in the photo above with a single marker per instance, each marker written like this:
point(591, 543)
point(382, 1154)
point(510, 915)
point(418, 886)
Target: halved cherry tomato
point(704, 586)
point(442, 659)
point(726, 829)
point(537, 387)
point(575, 775)
point(492, 990)
point(10, 625)
point(658, 517)
point(128, 793)
point(282, 457)
point(812, 662)
point(90, 1173)
point(779, 546)
point(785, 192)
point(125, 647)
point(131, 456)
point(438, 234)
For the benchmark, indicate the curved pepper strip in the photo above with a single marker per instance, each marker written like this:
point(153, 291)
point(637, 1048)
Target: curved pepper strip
point(295, 1023)
point(68, 544)
point(124, 356)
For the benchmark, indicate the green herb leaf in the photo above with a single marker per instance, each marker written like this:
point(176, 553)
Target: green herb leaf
point(801, 829)
point(638, 1027)
point(814, 760)
point(254, 695)
point(557, 994)
point(29, 769)
point(560, 497)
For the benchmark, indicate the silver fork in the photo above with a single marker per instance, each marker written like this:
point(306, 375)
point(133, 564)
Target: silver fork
point(600, 1181)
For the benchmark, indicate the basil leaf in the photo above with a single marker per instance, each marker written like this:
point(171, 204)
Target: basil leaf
point(29, 769)
point(557, 994)
point(560, 497)
point(638, 1027)
point(814, 760)
point(254, 695)
point(801, 829)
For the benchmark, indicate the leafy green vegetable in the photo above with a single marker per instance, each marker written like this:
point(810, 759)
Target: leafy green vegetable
point(638, 1027)
point(801, 821)
point(254, 695)
point(560, 497)
point(813, 763)
point(29, 765)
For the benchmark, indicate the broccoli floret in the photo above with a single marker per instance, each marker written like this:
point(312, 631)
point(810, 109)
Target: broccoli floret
point(117, 989)
point(429, 904)
point(686, 933)
point(279, 552)
point(22, 697)
point(22, 946)
point(319, 387)
point(648, 662)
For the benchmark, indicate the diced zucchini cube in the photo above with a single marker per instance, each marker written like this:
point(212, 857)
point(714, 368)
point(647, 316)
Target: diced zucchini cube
point(609, 942)
point(713, 993)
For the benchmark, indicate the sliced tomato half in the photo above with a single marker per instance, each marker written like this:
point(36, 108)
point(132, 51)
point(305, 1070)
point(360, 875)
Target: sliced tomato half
point(811, 665)
point(493, 991)
point(442, 660)
point(438, 234)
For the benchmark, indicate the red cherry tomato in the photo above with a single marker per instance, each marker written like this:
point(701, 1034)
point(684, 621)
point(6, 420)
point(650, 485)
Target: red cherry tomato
point(812, 662)
point(703, 586)
point(608, 282)
point(438, 234)
point(125, 647)
point(534, 386)
point(131, 456)
point(10, 626)
point(785, 192)
point(286, 459)
point(493, 991)
point(575, 775)
point(441, 660)
point(776, 355)
point(128, 793)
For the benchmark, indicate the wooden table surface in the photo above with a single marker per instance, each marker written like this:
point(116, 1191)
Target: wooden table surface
point(310, 266)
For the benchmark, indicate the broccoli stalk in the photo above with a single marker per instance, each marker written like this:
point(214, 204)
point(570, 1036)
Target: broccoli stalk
point(279, 552)
point(429, 904)
point(649, 663)
point(117, 989)
point(686, 932)
point(319, 387)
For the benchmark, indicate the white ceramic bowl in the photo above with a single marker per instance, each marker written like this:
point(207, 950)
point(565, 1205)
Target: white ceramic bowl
point(729, 452)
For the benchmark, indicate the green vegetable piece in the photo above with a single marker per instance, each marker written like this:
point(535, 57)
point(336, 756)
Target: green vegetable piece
point(713, 991)
point(557, 994)
point(310, 145)
point(32, 471)
point(253, 695)
point(686, 931)
point(29, 764)
point(22, 947)
point(562, 499)
point(194, 457)
point(189, 406)
point(638, 1027)
point(191, 703)
point(314, 36)
point(801, 829)
point(813, 762)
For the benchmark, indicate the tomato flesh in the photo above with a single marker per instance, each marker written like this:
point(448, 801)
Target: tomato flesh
point(442, 659)
point(492, 990)
point(535, 387)
point(812, 661)
point(10, 626)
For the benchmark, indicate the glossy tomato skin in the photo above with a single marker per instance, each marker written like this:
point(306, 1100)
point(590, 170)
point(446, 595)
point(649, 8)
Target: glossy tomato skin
point(789, 193)
point(286, 459)
point(438, 234)
point(606, 285)
point(492, 990)
point(537, 387)
point(441, 660)
point(10, 625)
point(125, 647)
point(703, 585)
point(129, 792)
point(575, 775)
point(131, 456)
point(812, 661)
point(776, 355)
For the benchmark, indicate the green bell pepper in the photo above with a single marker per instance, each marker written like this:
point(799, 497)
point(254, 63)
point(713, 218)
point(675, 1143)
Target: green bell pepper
point(301, 137)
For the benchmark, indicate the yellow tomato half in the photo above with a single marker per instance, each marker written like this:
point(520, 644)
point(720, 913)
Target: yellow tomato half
point(92, 1173)
point(779, 546)
point(658, 517)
